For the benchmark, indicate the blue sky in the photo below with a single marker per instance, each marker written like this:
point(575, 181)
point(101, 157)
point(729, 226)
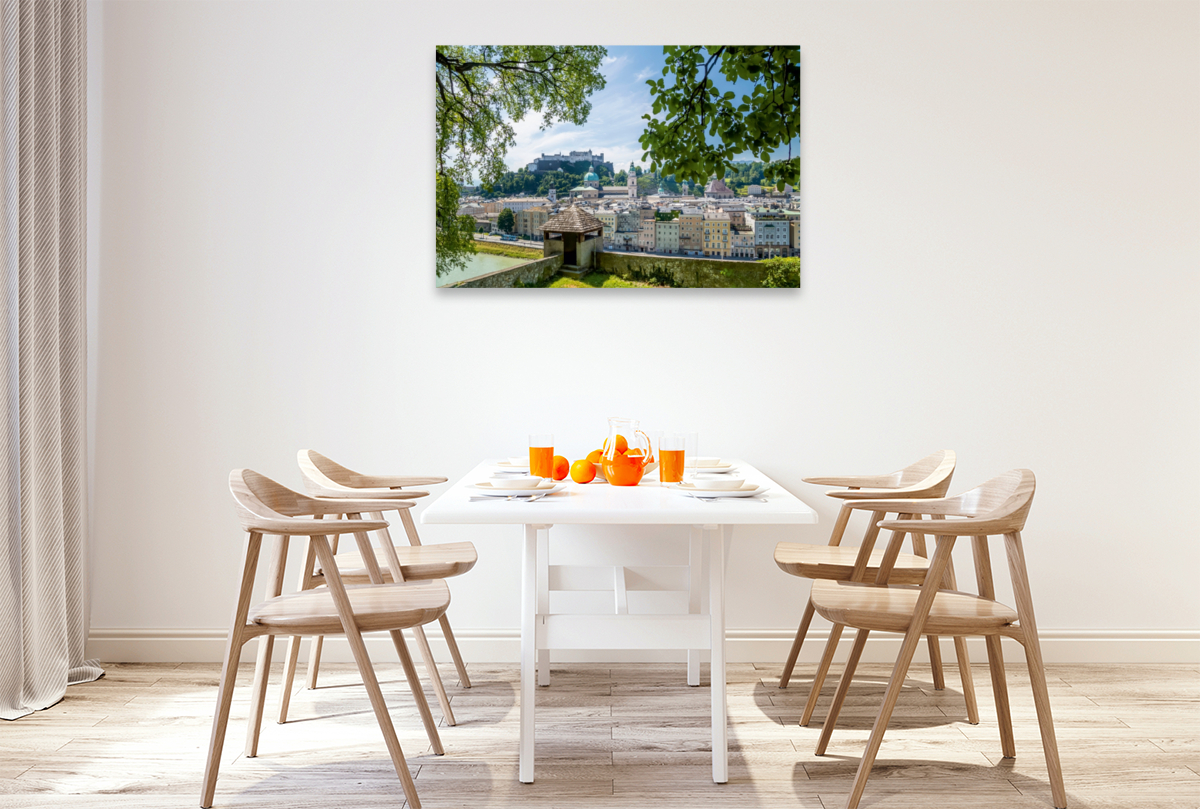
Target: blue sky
point(615, 123)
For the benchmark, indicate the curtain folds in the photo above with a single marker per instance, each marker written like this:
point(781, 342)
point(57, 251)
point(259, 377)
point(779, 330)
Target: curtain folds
point(43, 495)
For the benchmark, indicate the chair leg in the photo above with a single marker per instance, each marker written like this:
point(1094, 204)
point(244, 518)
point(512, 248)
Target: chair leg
point(464, 679)
point(860, 643)
point(935, 662)
point(899, 672)
point(233, 651)
point(289, 676)
point(935, 647)
point(367, 671)
point(964, 659)
point(790, 663)
point(314, 661)
point(1008, 742)
point(220, 721)
point(262, 667)
point(258, 693)
point(968, 682)
point(912, 638)
point(434, 676)
point(414, 684)
point(1037, 669)
point(835, 634)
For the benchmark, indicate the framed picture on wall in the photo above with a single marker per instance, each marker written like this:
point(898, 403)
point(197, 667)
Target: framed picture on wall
point(624, 166)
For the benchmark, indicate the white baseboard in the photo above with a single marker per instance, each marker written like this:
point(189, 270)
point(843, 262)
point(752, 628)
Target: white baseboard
point(742, 646)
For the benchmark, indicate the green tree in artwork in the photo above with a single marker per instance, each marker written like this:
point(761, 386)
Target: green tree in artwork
point(689, 108)
point(781, 272)
point(507, 222)
point(479, 93)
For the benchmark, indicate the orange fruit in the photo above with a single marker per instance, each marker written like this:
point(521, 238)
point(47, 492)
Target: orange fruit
point(583, 471)
point(560, 467)
point(595, 455)
point(622, 445)
point(634, 451)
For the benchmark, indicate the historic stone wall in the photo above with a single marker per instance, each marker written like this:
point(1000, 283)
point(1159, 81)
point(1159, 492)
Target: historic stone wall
point(682, 271)
point(528, 274)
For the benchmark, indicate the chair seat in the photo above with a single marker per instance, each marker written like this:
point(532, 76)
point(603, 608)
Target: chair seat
point(417, 562)
point(889, 608)
point(376, 607)
point(837, 563)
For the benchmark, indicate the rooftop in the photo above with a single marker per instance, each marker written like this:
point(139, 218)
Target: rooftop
point(573, 220)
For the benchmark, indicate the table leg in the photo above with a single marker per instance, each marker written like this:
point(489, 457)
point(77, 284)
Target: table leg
point(528, 650)
point(543, 600)
point(695, 563)
point(716, 608)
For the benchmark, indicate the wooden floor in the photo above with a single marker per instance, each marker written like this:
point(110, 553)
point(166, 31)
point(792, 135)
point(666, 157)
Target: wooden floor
point(610, 736)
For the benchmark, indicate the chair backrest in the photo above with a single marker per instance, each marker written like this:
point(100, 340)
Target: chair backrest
point(1003, 501)
point(260, 500)
point(928, 477)
point(321, 473)
point(324, 477)
point(999, 506)
point(932, 470)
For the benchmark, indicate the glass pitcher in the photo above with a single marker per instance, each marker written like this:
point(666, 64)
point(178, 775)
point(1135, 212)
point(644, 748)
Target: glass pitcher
point(628, 453)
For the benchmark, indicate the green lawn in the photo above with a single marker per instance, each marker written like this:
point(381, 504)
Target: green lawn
point(594, 280)
point(507, 249)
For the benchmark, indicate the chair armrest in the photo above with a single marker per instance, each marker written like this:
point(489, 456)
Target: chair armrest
point(398, 481)
point(372, 494)
point(878, 494)
point(349, 505)
point(855, 481)
point(915, 505)
point(949, 528)
point(308, 528)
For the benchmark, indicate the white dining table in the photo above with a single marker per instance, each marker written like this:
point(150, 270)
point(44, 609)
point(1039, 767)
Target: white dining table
point(596, 503)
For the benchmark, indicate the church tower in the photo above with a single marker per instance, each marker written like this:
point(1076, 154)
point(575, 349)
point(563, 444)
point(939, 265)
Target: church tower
point(632, 183)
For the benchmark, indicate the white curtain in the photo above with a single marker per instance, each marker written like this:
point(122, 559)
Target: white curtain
point(43, 496)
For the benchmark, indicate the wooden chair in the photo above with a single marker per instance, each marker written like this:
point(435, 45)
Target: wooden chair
point(264, 507)
point(406, 563)
point(928, 477)
point(998, 507)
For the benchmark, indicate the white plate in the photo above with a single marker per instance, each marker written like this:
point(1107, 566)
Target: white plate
point(708, 465)
point(508, 466)
point(709, 470)
point(497, 488)
point(747, 490)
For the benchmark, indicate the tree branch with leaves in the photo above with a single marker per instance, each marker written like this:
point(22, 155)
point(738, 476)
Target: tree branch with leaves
point(692, 109)
point(480, 91)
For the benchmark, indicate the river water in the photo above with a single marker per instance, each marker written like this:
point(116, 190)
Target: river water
point(480, 264)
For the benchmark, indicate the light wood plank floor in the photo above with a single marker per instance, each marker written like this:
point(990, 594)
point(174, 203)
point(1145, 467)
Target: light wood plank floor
point(610, 736)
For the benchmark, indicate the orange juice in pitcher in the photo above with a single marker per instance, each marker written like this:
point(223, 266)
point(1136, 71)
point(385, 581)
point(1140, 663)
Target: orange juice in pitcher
point(628, 453)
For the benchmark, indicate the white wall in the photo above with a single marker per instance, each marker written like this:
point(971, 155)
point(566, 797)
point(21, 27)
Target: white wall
point(1000, 257)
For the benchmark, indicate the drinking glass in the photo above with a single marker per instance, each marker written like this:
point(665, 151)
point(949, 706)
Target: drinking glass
point(671, 455)
point(541, 455)
point(691, 450)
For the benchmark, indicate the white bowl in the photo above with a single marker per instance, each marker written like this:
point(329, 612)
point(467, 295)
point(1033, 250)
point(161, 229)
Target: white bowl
point(722, 483)
point(700, 463)
point(519, 461)
point(518, 482)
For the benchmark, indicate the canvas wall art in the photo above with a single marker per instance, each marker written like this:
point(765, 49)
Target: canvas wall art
point(615, 167)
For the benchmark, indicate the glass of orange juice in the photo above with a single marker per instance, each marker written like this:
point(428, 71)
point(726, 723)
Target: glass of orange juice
point(541, 455)
point(670, 457)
